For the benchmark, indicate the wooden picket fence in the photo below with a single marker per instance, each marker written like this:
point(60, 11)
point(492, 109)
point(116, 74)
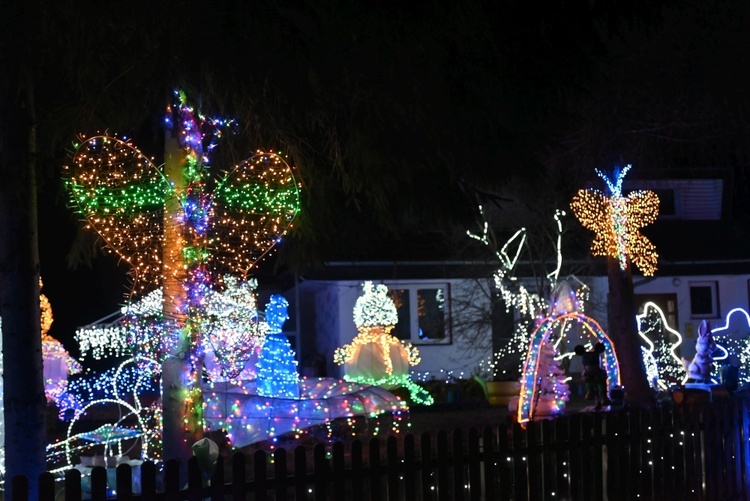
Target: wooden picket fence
point(697, 452)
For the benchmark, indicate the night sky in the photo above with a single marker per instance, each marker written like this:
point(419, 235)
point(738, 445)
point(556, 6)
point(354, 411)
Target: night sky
point(436, 101)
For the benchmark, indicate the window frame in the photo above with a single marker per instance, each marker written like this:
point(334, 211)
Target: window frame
point(413, 288)
point(715, 305)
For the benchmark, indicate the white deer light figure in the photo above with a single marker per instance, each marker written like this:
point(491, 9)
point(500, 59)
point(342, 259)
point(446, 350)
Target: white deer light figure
point(515, 295)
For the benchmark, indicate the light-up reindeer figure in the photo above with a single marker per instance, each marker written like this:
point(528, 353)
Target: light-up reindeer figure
point(178, 227)
point(699, 370)
point(516, 296)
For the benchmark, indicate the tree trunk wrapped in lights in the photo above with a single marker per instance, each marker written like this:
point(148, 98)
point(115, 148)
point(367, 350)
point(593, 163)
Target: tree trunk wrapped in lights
point(180, 228)
point(617, 220)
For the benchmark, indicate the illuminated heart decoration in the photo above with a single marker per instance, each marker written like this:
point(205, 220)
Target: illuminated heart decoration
point(122, 194)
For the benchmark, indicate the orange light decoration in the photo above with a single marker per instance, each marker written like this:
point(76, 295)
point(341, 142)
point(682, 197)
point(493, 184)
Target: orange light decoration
point(57, 362)
point(374, 356)
point(122, 194)
point(617, 220)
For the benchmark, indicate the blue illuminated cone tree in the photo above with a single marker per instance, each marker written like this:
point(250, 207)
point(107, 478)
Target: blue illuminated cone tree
point(277, 366)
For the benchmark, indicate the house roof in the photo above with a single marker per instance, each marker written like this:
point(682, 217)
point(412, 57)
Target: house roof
point(702, 238)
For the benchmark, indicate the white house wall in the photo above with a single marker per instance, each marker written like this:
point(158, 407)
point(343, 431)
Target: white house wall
point(334, 324)
point(732, 293)
point(335, 327)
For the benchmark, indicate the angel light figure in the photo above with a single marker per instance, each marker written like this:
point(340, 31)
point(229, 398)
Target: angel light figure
point(375, 356)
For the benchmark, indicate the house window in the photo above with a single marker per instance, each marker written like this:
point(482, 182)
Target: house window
point(667, 303)
point(667, 207)
point(422, 313)
point(704, 299)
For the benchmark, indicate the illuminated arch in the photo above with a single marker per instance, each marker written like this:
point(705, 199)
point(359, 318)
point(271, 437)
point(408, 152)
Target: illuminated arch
point(539, 337)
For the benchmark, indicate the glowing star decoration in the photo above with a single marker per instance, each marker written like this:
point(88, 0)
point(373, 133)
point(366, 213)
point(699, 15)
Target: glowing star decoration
point(733, 343)
point(617, 220)
point(531, 386)
point(375, 356)
point(663, 367)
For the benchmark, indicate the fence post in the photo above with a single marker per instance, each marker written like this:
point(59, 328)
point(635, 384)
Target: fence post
point(358, 474)
point(394, 467)
point(410, 470)
point(339, 472)
point(376, 491)
point(490, 462)
point(300, 473)
point(280, 474)
point(20, 486)
point(443, 491)
point(73, 491)
point(321, 474)
point(260, 477)
point(172, 479)
point(217, 481)
point(239, 485)
point(124, 482)
point(425, 458)
point(46, 487)
point(520, 488)
point(148, 479)
point(475, 482)
point(99, 483)
point(548, 484)
point(195, 480)
point(535, 461)
point(459, 492)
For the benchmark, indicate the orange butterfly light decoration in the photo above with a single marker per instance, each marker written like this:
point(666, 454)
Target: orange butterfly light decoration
point(617, 221)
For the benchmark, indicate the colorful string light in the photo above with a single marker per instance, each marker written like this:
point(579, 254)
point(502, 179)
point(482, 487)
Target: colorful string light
point(541, 335)
point(176, 228)
point(375, 357)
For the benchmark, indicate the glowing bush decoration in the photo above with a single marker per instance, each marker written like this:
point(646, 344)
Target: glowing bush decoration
point(660, 350)
point(733, 339)
point(530, 381)
point(277, 366)
point(375, 308)
point(232, 331)
point(617, 219)
point(374, 356)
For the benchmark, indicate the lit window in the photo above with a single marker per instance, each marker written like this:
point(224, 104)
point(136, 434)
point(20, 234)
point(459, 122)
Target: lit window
point(704, 299)
point(422, 312)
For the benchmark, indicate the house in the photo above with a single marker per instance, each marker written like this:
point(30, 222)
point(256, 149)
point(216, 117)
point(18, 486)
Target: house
point(704, 273)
